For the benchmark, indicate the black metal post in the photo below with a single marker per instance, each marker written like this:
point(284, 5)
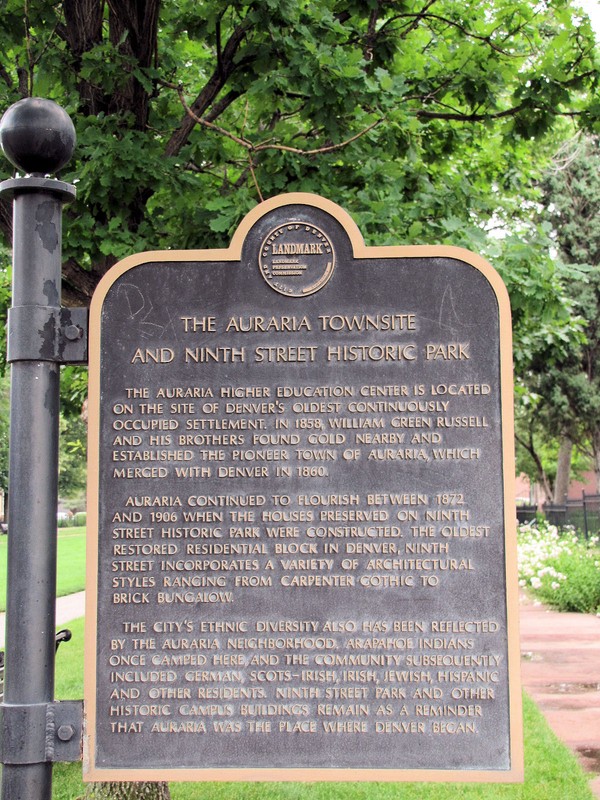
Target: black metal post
point(38, 137)
point(585, 516)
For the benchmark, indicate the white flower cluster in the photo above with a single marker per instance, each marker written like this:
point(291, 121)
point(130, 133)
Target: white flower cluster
point(541, 544)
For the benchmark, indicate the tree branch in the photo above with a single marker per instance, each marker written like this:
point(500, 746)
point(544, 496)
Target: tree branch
point(82, 31)
point(221, 105)
point(478, 37)
point(542, 477)
point(319, 150)
point(371, 37)
point(224, 69)
point(254, 179)
point(6, 76)
point(6, 217)
point(78, 284)
point(460, 117)
point(414, 22)
point(197, 120)
point(257, 148)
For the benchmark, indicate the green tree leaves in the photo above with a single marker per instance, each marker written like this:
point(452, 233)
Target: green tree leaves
point(563, 373)
point(429, 122)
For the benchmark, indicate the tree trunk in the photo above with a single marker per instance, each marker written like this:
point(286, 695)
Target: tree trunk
point(541, 478)
point(595, 451)
point(563, 471)
point(127, 791)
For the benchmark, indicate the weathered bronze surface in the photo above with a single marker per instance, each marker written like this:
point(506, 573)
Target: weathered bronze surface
point(303, 466)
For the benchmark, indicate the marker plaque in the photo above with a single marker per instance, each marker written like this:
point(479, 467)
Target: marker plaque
point(302, 560)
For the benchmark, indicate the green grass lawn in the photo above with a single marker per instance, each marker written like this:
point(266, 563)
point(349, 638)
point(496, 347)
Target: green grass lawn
point(71, 563)
point(551, 771)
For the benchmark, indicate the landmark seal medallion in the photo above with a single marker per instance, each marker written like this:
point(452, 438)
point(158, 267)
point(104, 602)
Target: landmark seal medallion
point(296, 259)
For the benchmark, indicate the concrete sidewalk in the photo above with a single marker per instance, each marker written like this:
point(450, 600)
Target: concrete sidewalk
point(69, 607)
point(560, 665)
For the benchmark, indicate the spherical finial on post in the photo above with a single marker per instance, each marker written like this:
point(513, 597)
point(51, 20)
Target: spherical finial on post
point(37, 136)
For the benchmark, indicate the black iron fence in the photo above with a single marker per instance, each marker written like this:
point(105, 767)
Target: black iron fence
point(583, 515)
point(527, 514)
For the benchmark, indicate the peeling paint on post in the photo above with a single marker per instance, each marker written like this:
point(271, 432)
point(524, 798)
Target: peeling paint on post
point(38, 137)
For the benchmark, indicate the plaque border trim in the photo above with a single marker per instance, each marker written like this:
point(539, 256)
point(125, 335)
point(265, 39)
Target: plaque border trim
point(515, 774)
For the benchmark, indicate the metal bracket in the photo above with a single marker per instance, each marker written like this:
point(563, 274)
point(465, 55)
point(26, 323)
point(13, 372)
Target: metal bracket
point(41, 732)
point(47, 333)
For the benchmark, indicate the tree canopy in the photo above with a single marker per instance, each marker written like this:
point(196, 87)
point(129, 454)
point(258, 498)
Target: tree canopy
point(424, 118)
point(564, 378)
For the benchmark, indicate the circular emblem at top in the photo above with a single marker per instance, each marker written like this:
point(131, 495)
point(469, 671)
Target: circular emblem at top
point(296, 259)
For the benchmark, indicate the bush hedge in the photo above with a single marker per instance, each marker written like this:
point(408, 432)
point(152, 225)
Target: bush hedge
point(559, 567)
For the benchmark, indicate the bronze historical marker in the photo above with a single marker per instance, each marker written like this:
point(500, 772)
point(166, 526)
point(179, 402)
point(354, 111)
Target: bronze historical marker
point(302, 545)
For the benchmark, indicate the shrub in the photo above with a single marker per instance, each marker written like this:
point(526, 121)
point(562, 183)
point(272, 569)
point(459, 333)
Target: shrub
point(79, 519)
point(559, 568)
